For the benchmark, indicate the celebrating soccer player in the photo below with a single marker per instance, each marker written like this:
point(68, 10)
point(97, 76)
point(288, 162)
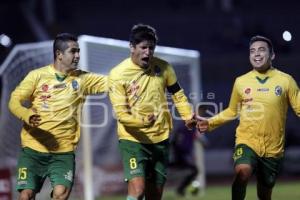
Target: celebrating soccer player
point(261, 99)
point(137, 92)
point(51, 122)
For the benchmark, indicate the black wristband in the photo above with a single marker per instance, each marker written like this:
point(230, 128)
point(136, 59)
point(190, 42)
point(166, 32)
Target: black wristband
point(174, 88)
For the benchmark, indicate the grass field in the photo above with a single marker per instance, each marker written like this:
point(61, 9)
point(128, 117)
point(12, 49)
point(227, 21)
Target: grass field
point(282, 191)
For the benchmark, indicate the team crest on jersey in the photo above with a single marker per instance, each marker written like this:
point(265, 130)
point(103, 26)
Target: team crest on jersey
point(247, 91)
point(278, 90)
point(75, 85)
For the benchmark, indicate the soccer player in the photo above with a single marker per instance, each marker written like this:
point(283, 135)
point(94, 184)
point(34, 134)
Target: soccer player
point(137, 92)
point(51, 127)
point(260, 98)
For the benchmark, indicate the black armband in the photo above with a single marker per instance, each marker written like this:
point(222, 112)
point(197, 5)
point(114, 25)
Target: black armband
point(174, 88)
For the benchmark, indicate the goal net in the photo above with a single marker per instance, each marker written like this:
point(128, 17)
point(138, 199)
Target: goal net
point(22, 59)
point(99, 168)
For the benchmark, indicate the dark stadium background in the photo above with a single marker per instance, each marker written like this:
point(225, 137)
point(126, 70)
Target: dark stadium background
point(221, 34)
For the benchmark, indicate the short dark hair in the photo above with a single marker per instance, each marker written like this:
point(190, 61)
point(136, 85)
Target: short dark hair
point(264, 39)
point(61, 40)
point(141, 32)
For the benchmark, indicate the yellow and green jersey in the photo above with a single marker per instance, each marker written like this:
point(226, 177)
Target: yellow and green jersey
point(261, 100)
point(136, 93)
point(58, 99)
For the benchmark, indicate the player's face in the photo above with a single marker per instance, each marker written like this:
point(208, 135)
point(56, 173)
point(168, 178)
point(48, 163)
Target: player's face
point(260, 56)
point(142, 53)
point(70, 57)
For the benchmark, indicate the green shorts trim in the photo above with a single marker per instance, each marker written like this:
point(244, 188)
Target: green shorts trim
point(34, 167)
point(266, 168)
point(145, 160)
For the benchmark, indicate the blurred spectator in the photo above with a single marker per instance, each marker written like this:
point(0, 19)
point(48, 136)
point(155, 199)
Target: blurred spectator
point(184, 159)
point(188, 155)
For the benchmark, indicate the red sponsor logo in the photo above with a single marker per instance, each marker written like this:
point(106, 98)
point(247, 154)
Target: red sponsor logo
point(45, 88)
point(247, 100)
point(45, 97)
point(247, 91)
